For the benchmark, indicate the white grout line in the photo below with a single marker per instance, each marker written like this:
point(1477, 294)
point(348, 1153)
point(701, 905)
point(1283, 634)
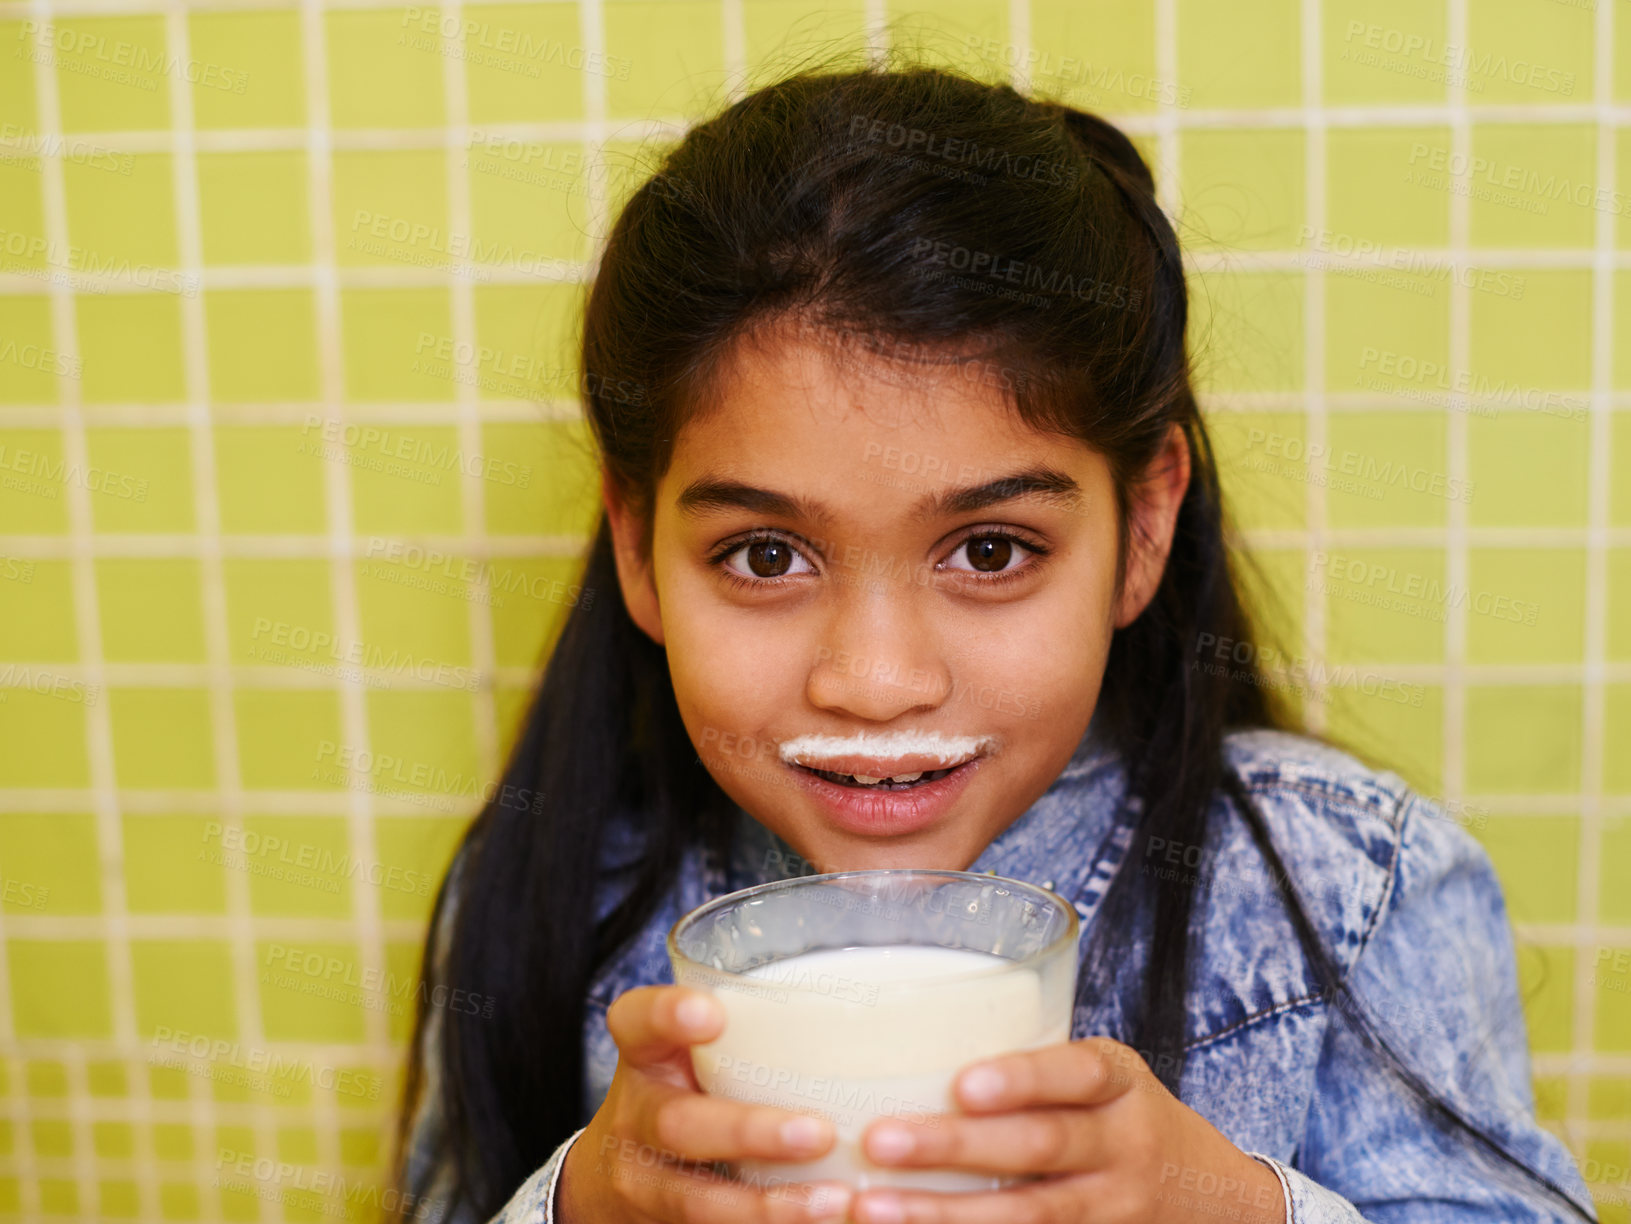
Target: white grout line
point(472, 490)
point(79, 1120)
point(1019, 38)
point(1141, 121)
point(733, 30)
point(1453, 780)
point(1314, 151)
point(367, 935)
point(875, 15)
point(113, 923)
point(207, 528)
point(1592, 756)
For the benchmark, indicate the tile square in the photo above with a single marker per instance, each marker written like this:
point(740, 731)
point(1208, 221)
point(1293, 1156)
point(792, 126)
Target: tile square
point(385, 70)
point(142, 479)
point(1385, 51)
point(1241, 190)
point(1246, 331)
point(1369, 190)
point(110, 71)
point(269, 479)
point(250, 70)
point(253, 208)
point(288, 739)
point(1241, 55)
point(262, 345)
point(387, 334)
point(1526, 605)
point(152, 609)
point(1528, 469)
point(37, 610)
point(527, 61)
point(162, 738)
point(51, 863)
point(1523, 739)
point(1536, 57)
point(184, 985)
point(130, 348)
point(1383, 605)
point(170, 866)
point(675, 51)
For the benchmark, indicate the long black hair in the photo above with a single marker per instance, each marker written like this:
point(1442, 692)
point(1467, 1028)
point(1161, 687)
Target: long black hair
point(924, 210)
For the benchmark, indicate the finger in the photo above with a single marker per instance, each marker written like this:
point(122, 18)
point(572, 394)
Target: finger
point(1051, 1201)
point(1091, 1071)
point(655, 1025)
point(707, 1196)
point(1033, 1141)
point(718, 1128)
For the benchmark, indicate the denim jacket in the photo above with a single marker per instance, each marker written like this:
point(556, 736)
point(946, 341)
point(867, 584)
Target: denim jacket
point(1405, 900)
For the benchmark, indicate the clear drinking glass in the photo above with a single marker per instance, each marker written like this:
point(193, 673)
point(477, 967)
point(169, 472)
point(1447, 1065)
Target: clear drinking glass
point(860, 994)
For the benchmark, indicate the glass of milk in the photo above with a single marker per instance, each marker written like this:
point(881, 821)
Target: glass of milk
point(857, 995)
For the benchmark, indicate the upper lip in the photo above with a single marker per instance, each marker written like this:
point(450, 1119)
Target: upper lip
point(881, 767)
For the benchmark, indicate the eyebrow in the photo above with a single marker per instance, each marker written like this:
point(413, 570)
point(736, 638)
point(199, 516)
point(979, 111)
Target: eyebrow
point(708, 494)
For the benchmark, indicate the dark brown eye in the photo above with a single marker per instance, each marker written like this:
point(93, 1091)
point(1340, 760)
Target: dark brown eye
point(769, 558)
point(990, 554)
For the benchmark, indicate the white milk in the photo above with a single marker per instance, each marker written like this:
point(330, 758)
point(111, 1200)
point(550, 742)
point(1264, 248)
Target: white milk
point(853, 1034)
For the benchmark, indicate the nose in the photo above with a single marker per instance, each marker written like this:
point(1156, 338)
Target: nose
point(878, 659)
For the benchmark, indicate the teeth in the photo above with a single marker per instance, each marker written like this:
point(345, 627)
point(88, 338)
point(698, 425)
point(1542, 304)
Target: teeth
point(868, 780)
point(864, 780)
point(911, 777)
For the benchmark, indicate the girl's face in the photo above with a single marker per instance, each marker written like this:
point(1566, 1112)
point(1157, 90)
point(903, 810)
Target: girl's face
point(871, 566)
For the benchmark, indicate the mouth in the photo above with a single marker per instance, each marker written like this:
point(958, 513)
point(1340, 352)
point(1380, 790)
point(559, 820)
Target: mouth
point(887, 806)
point(897, 782)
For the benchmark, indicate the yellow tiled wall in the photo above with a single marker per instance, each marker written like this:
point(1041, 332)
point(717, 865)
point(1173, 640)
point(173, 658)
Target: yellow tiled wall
point(292, 484)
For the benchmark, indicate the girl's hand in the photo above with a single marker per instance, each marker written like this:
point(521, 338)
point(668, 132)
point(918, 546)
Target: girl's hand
point(1111, 1144)
point(645, 1154)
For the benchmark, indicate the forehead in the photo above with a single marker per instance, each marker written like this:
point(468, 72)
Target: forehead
point(838, 414)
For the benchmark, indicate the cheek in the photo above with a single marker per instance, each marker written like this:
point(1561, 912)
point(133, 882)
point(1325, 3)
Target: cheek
point(733, 676)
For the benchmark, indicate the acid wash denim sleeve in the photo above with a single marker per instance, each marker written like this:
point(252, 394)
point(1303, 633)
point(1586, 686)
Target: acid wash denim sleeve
point(1432, 964)
point(1405, 901)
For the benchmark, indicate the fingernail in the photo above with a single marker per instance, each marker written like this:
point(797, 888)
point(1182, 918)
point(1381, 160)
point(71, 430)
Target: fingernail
point(882, 1209)
point(889, 1142)
point(983, 1085)
point(803, 1133)
point(696, 1013)
point(830, 1202)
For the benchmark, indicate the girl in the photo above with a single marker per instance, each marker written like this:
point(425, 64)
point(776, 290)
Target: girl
point(920, 553)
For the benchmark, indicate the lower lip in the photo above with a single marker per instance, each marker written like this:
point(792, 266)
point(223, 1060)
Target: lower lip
point(887, 813)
